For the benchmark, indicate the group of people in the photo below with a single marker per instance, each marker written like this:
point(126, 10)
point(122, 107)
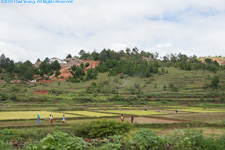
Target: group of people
point(131, 119)
point(63, 120)
point(51, 119)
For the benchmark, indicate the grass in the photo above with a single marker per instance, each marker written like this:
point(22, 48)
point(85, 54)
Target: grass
point(14, 115)
point(196, 109)
point(135, 112)
point(90, 114)
point(202, 110)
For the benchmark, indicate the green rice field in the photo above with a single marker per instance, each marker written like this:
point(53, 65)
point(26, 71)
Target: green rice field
point(90, 114)
point(14, 115)
point(135, 112)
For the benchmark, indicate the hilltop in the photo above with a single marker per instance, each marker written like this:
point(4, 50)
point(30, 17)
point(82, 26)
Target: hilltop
point(130, 77)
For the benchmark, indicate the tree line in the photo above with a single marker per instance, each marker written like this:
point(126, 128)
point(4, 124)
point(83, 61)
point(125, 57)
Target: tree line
point(130, 61)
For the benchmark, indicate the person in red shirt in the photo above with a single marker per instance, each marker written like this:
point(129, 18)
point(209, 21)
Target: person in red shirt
point(51, 118)
point(122, 118)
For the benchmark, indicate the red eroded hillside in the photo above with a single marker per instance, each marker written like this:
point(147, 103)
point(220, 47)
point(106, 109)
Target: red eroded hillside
point(65, 72)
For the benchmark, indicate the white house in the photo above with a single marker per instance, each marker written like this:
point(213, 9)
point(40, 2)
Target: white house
point(59, 60)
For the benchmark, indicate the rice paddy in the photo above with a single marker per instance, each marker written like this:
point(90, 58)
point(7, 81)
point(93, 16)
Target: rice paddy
point(136, 112)
point(15, 115)
point(202, 110)
point(90, 114)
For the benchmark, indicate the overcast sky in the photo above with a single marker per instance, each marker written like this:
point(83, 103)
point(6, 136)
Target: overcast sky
point(31, 31)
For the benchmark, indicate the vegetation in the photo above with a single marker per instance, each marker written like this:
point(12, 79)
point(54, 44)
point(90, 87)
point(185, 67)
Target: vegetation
point(125, 82)
point(101, 129)
point(143, 140)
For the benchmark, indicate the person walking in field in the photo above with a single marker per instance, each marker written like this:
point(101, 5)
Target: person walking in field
point(122, 118)
point(64, 119)
point(132, 119)
point(145, 108)
point(38, 119)
point(176, 111)
point(51, 118)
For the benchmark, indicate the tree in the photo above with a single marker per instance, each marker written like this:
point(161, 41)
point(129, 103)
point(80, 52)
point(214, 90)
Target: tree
point(55, 65)
point(57, 73)
point(208, 61)
point(74, 67)
point(11, 67)
point(47, 60)
point(28, 75)
point(164, 87)
point(82, 65)
point(82, 52)
point(38, 60)
point(69, 56)
point(2, 61)
point(215, 82)
point(87, 64)
point(95, 55)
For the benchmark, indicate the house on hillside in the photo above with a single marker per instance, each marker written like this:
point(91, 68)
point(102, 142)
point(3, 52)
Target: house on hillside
point(146, 58)
point(73, 61)
point(59, 60)
point(218, 60)
point(37, 64)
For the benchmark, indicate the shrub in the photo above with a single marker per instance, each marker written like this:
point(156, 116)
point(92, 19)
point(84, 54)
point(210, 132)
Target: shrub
point(57, 73)
point(62, 141)
point(5, 146)
point(13, 97)
point(4, 96)
point(194, 139)
point(7, 135)
point(147, 139)
point(15, 89)
point(101, 128)
point(115, 145)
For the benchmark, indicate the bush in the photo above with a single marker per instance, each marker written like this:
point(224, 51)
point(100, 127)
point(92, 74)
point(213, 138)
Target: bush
point(62, 141)
point(15, 89)
point(194, 139)
point(101, 128)
point(147, 139)
point(5, 146)
point(8, 135)
point(115, 145)
point(57, 73)
point(4, 96)
point(13, 97)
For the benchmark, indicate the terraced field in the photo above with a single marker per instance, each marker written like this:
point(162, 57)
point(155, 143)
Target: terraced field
point(14, 115)
point(135, 112)
point(90, 114)
point(202, 110)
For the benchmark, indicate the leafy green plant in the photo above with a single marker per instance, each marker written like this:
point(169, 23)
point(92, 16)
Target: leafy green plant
point(101, 128)
point(114, 144)
point(62, 141)
point(193, 139)
point(147, 139)
point(5, 146)
point(8, 135)
point(32, 146)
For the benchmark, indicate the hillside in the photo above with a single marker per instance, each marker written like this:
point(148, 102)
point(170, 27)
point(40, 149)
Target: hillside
point(176, 86)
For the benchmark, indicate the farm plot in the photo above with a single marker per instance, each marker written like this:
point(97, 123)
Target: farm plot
point(14, 115)
point(200, 110)
point(90, 114)
point(136, 112)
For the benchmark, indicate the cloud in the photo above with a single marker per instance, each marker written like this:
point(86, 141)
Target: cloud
point(32, 31)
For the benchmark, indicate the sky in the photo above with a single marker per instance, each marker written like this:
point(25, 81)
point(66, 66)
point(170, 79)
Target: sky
point(192, 27)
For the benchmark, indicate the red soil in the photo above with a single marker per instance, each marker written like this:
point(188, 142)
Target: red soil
point(45, 81)
point(92, 63)
point(41, 92)
point(65, 72)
